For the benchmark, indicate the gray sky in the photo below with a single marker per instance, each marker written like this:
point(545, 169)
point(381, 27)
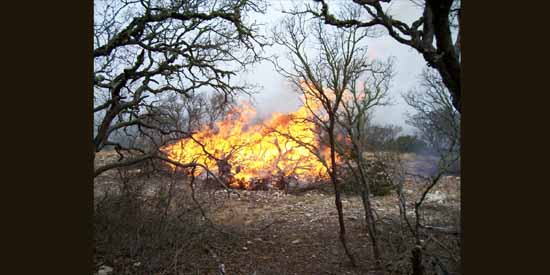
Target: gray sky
point(276, 96)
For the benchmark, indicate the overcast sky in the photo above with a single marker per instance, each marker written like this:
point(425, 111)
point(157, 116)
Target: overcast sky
point(276, 96)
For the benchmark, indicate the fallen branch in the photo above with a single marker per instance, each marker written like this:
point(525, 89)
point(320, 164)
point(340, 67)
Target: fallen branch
point(444, 230)
point(139, 159)
point(267, 226)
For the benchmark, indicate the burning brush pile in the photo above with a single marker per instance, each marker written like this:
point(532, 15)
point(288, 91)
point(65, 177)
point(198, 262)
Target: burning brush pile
point(282, 150)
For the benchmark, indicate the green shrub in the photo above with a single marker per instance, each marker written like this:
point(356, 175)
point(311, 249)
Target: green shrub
point(409, 144)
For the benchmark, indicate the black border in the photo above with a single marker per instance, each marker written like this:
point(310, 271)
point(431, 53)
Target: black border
point(503, 138)
point(48, 125)
point(47, 108)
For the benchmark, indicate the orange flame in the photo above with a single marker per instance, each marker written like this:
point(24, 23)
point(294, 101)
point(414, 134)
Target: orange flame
point(283, 145)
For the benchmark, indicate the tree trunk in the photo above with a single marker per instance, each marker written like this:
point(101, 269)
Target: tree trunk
point(447, 64)
point(416, 260)
point(337, 198)
point(371, 229)
point(369, 215)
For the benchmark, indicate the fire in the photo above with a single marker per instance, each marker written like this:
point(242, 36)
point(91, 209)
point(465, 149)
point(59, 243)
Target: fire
point(283, 145)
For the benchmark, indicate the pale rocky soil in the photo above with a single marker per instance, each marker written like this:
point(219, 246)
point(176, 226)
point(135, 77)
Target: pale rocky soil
point(297, 234)
point(270, 232)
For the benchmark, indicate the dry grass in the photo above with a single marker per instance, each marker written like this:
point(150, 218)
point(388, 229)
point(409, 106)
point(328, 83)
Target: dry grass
point(267, 232)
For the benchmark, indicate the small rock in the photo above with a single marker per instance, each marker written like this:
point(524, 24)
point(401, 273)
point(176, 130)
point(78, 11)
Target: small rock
point(245, 248)
point(295, 241)
point(137, 264)
point(437, 197)
point(352, 218)
point(248, 242)
point(104, 270)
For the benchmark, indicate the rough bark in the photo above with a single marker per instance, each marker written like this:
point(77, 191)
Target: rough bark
point(435, 21)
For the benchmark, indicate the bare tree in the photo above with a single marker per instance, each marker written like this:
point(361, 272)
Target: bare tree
point(147, 50)
point(438, 123)
point(323, 80)
point(439, 19)
point(360, 99)
point(415, 222)
point(435, 117)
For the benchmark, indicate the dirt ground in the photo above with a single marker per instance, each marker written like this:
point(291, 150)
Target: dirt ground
point(271, 232)
point(297, 234)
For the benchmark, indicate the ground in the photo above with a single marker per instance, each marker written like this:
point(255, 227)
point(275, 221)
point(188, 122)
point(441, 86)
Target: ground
point(271, 232)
